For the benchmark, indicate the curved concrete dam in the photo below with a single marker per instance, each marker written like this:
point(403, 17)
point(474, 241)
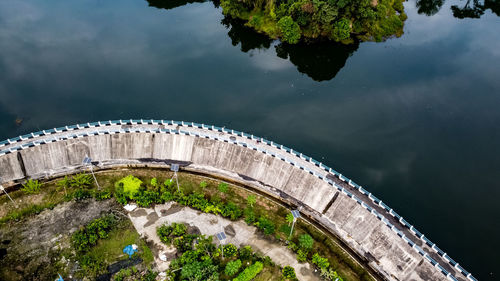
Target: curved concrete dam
point(376, 233)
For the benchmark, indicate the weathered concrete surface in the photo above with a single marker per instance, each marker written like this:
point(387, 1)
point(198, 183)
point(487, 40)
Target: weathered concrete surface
point(33, 246)
point(237, 158)
point(239, 233)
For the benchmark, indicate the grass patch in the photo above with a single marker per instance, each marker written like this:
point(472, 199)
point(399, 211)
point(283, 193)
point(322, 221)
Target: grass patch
point(110, 250)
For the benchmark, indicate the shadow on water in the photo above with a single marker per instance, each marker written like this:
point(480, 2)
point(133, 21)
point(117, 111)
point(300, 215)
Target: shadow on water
point(320, 61)
point(171, 4)
point(470, 9)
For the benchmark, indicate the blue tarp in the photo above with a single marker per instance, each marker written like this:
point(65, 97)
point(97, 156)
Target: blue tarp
point(129, 250)
point(60, 278)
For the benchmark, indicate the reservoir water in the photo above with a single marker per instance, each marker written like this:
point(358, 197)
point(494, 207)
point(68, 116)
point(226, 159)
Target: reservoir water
point(415, 120)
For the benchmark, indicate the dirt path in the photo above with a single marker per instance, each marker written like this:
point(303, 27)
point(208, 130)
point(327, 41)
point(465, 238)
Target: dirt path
point(239, 233)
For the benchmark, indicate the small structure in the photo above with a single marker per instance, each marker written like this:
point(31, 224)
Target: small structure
point(221, 236)
point(3, 189)
point(87, 161)
point(296, 215)
point(175, 168)
point(130, 250)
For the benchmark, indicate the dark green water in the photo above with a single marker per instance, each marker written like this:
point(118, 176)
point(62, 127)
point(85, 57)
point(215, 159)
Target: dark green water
point(415, 120)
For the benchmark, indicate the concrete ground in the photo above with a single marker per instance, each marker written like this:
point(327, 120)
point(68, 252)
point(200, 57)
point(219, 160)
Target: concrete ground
point(146, 220)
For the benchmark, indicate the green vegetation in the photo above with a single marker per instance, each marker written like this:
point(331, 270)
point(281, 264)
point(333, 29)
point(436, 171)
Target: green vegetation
point(290, 30)
point(288, 273)
point(100, 243)
point(250, 272)
point(130, 185)
point(306, 242)
point(18, 214)
point(235, 203)
point(232, 267)
point(168, 232)
point(88, 236)
point(204, 261)
point(223, 187)
point(338, 20)
point(251, 200)
point(31, 186)
point(265, 225)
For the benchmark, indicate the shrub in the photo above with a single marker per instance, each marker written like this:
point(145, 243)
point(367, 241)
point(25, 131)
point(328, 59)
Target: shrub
point(321, 262)
point(169, 183)
point(81, 180)
point(88, 236)
point(285, 228)
point(288, 273)
point(102, 195)
point(184, 243)
point(203, 184)
point(230, 250)
point(154, 182)
point(245, 253)
point(81, 194)
point(306, 242)
point(232, 267)
point(31, 186)
point(130, 185)
point(251, 200)
point(265, 225)
point(65, 182)
point(168, 232)
point(120, 195)
point(250, 217)
point(331, 274)
point(301, 256)
point(289, 218)
point(232, 211)
point(250, 272)
point(223, 187)
point(144, 198)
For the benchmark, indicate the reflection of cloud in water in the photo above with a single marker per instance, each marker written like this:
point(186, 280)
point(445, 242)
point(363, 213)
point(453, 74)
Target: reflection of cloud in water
point(267, 60)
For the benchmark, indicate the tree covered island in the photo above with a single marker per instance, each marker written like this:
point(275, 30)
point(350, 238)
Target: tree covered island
point(338, 20)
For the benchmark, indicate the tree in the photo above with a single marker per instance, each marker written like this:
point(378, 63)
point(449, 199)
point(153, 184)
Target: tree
point(288, 273)
point(290, 30)
point(342, 29)
point(306, 242)
point(233, 267)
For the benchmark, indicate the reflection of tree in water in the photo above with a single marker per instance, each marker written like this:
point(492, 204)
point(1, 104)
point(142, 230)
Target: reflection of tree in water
point(320, 61)
point(471, 9)
point(171, 4)
point(476, 9)
point(429, 7)
point(249, 39)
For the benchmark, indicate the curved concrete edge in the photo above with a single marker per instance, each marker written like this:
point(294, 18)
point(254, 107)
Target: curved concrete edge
point(394, 248)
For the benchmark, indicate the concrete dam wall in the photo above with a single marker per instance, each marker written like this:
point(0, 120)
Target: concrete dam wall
point(390, 245)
